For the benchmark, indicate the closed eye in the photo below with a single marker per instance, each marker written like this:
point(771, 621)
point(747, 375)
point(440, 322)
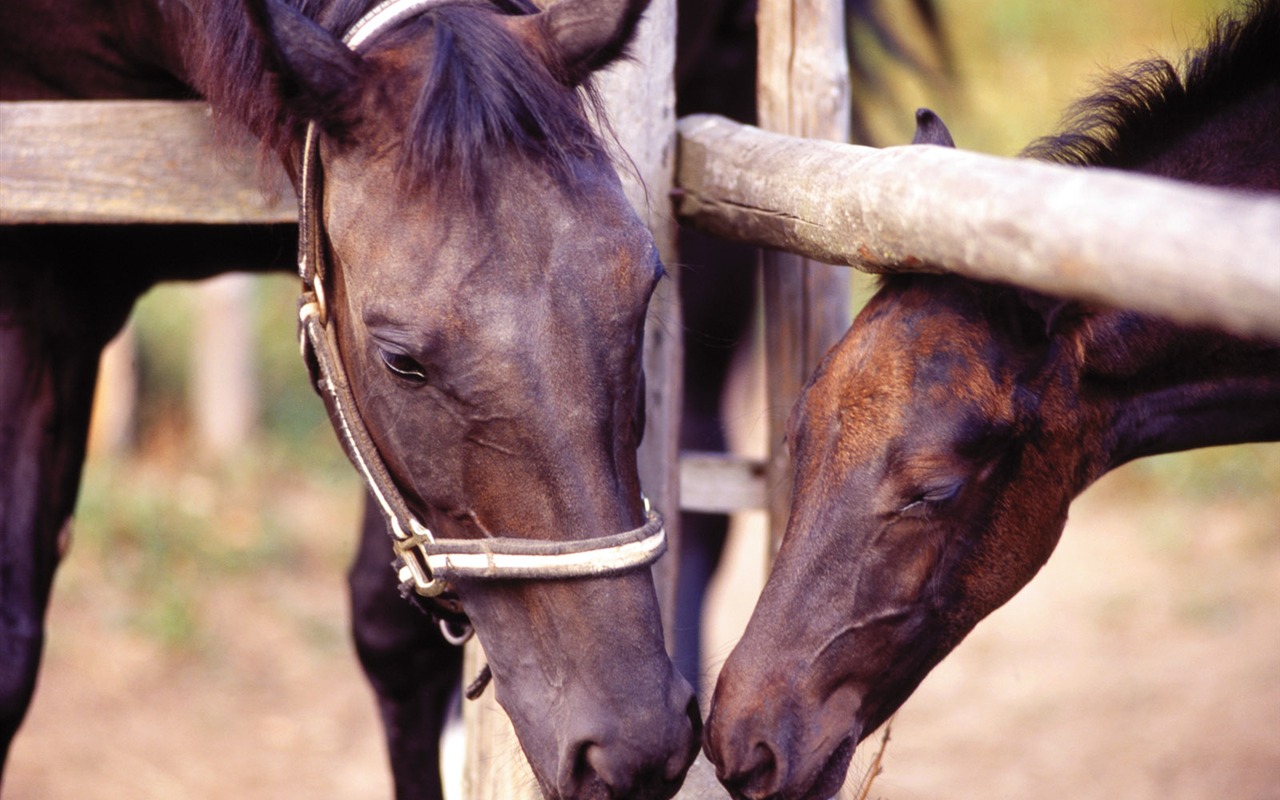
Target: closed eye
point(930, 498)
point(404, 366)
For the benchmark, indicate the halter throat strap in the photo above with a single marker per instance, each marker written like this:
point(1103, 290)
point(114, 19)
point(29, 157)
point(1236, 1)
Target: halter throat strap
point(425, 564)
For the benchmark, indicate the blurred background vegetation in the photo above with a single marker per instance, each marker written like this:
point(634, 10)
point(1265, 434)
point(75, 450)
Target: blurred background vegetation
point(167, 518)
point(162, 518)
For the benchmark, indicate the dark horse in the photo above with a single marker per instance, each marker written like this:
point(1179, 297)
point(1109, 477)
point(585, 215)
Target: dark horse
point(939, 445)
point(487, 290)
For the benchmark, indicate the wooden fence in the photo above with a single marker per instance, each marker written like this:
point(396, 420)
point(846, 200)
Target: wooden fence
point(1196, 255)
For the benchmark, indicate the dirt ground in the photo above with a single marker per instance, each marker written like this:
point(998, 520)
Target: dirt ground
point(1143, 662)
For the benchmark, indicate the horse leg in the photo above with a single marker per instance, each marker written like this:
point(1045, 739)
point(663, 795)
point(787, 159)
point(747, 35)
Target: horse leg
point(413, 670)
point(52, 330)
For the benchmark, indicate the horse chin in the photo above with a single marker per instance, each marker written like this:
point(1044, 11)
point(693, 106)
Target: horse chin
point(832, 775)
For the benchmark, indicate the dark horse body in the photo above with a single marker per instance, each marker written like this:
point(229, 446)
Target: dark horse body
point(489, 286)
point(938, 447)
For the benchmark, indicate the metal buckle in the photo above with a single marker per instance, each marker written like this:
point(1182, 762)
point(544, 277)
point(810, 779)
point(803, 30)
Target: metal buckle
point(414, 567)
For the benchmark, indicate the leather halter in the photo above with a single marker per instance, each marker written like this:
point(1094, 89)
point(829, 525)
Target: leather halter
point(426, 564)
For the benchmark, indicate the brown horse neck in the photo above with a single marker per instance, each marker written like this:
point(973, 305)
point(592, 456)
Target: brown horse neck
point(1156, 387)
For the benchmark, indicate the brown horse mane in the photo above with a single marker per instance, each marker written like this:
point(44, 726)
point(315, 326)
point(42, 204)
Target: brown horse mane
point(485, 94)
point(1141, 110)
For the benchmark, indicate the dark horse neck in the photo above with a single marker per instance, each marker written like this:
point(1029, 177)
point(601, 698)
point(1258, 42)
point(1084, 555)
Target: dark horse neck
point(1167, 389)
point(1158, 387)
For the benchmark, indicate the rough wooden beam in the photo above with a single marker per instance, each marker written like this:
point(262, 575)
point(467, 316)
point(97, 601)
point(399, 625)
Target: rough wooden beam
point(718, 483)
point(130, 162)
point(802, 89)
point(1194, 254)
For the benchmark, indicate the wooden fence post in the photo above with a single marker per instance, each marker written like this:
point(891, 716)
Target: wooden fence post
point(803, 90)
point(224, 386)
point(113, 425)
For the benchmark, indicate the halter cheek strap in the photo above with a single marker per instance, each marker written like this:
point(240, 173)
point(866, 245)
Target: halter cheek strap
point(426, 564)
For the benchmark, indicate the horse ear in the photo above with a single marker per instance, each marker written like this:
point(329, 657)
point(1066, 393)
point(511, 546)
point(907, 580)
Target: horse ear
point(1056, 315)
point(930, 129)
point(317, 76)
point(578, 37)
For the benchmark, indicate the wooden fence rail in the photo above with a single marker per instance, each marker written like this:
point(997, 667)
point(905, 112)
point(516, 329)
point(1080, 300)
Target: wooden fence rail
point(1194, 254)
point(134, 161)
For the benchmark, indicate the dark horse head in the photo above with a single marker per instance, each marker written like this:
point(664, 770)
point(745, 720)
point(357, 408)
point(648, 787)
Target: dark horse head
point(939, 445)
point(488, 285)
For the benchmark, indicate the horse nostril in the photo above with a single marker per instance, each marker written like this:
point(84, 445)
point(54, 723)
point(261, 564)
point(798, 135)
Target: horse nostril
point(645, 758)
point(601, 772)
point(758, 775)
point(614, 771)
point(587, 780)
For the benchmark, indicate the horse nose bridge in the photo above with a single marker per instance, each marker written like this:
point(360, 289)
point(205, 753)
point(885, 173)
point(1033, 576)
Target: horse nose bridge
point(587, 681)
point(580, 419)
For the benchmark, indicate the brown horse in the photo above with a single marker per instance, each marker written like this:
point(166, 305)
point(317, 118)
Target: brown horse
point(485, 293)
point(940, 443)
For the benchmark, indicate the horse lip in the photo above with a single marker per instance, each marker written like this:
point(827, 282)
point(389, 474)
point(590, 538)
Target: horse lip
point(825, 784)
point(826, 781)
point(832, 775)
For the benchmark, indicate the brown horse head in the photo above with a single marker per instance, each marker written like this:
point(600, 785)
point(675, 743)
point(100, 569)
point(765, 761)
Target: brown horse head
point(936, 454)
point(489, 288)
point(940, 443)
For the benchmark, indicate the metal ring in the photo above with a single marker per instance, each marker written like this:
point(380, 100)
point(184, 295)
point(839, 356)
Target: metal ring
point(456, 633)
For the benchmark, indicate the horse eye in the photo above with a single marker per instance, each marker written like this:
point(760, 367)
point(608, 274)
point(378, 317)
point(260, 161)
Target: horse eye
point(932, 497)
point(405, 367)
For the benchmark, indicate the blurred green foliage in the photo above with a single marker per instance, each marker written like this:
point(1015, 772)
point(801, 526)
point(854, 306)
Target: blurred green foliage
point(163, 520)
point(1018, 64)
point(291, 414)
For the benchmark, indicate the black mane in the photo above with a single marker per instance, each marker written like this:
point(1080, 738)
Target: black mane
point(485, 94)
point(1139, 111)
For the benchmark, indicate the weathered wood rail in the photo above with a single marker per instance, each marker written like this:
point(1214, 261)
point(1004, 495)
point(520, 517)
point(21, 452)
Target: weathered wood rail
point(1194, 254)
point(133, 161)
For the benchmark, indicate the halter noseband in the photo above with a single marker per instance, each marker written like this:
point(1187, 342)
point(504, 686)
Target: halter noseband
point(426, 564)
